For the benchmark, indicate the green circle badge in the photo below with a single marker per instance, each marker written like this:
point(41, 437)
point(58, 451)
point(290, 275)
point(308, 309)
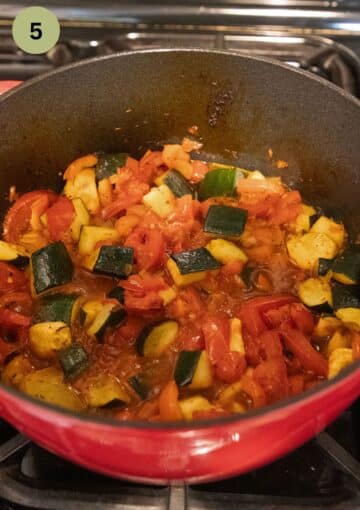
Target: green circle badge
point(36, 30)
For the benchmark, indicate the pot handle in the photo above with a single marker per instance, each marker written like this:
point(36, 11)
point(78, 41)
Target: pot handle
point(6, 85)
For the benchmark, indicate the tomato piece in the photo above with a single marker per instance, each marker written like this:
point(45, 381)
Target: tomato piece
point(5, 349)
point(9, 318)
point(275, 317)
point(252, 312)
point(150, 166)
point(287, 208)
point(142, 292)
point(131, 193)
point(259, 205)
point(302, 318)
point(251, 319)
point(216, 331)
point(18, 218)
point(168, 403)
point(271, 345)
point(254, 390)
point(11, 278)
point(200, 169)
point(149, 247)
point(299, 345)
point(230, 367)
point(59, 218)
point(272, 377)
point(191, 339)
point(188, 305)
point(296, 384)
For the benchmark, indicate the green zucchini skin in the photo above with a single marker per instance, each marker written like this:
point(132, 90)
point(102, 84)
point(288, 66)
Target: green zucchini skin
point(345, 296)
point(186, 367)
point(193, 261)
point(74, 360)
point(178, 184)
point(324, 266)
point(56, 308)
point(116, 261)
point(116, 318)
point(348, 264)
point(51, 267)
point(220, 182)
point(144, 333)
point(108, 164)
point(138, 386)
point(117, 293)
point(225, 221)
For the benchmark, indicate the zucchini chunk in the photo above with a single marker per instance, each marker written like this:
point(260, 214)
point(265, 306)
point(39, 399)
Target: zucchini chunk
point(91, 235)
point(48, 385)
point(138, 385)
point(90, 310)
point(339, 340)
point(236, 339)
point(338, 360)
point(57, 308)
point(220, 182)
point(183, 279)
point(177, 183)
point(346, 268)
point(108, 164)
point(116, 261)
point(193, 261)
point(226, 251)
point(247, 276)
point(15, 370)
point(106, 391)
point(193, 370)
point(74, 360)
point(154, 340)
point(350, 317)
point(106, 318)
point(82, 217)
point(51, 267)
point(13, 254)
point(117, 293)
point(225, 221)
point(161, 200)
point(345, 296)
point(324, 266)
point(305, 251)
point(84, 187)
point(335, 231)
point(303, 220)
point(190, 405)
point(316, 294)
point(46, 339)
point(326, 326)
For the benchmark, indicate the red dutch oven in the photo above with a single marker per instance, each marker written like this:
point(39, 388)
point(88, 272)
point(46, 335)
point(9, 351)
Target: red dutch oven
point(242, 106)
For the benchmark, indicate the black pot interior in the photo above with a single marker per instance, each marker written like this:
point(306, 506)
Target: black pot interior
point(241, 106)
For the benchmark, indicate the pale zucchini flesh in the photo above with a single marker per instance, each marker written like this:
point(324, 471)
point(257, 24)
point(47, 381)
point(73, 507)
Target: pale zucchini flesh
point(226, 251)
point(46, 339)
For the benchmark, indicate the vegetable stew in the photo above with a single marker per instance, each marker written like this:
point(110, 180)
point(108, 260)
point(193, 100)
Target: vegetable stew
point(168, 288)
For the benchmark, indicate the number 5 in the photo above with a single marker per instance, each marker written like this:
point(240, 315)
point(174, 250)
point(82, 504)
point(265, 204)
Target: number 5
point(35, 32)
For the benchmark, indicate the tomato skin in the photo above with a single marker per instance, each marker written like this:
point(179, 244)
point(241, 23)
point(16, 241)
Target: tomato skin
point(272, 376)
point(150, 165)
point(200, 169)
point(11, 278)
point(254, 390)
point(187, 306)
point(302, 318)
point(59, 218)
point(230, 367)
point(296, 384)
point(168, 403)
point(142, 292)
point(9, 318)
point(300, 346)
point(18, 217)
point(149, 247)
point(253, 311)
point(130, 194)
point(216, 331)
